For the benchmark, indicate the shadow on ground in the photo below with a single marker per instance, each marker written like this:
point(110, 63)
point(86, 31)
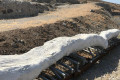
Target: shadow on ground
point(106, 65)
point(109, 8)
point(115, 13)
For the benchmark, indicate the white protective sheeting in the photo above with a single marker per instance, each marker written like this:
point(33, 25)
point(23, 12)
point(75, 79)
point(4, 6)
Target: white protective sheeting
point(28, 66)
point(108, 34)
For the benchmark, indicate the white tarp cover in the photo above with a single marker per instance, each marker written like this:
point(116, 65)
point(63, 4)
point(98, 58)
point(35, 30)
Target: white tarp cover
point(28, 66)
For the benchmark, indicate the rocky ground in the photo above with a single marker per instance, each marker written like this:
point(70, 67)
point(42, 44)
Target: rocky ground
point(18, 36)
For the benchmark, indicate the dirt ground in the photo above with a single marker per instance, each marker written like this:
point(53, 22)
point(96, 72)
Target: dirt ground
point(50, 17)
point(108, 68)
point(13, 9)
point(20, 41)
point(18, 36)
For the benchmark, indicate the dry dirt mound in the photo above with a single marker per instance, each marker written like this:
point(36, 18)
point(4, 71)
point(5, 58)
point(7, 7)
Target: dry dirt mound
point(17, 9)
point(10, 9)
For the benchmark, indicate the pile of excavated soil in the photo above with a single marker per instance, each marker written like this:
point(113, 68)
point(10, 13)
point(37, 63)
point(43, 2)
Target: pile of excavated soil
point(17, 9)
point(22, 40)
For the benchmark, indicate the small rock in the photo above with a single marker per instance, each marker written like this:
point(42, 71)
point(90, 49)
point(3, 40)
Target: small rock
point(22, 42)
point(22, 51)
point(92, 10)
point(14, 45)
point(64, 24)
point(1, 40)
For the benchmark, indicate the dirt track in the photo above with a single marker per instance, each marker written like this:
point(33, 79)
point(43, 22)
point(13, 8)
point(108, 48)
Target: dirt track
point(62, 13)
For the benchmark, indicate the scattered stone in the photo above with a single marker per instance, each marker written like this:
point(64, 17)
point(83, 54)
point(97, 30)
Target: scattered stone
point(6, 44)
point(1, 39)
point(14, 45)
point(92, 10)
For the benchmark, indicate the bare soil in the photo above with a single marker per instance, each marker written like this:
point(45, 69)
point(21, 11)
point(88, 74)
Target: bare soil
point(18, 36)
point(19, 41)
point(12, 9)
point(50, 17)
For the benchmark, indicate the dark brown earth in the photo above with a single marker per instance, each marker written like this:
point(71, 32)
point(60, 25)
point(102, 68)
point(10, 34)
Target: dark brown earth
point(58, 1)
point(22, 40)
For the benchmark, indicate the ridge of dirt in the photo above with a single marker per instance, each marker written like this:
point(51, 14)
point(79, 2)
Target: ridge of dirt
point(13, 9)
point(20, 41)
point(19, 9)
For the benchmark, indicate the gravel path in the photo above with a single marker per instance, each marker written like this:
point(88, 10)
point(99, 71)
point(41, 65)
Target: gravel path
point(108, 68)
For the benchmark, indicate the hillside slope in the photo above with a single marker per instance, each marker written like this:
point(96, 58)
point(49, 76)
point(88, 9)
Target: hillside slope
point(80, 20)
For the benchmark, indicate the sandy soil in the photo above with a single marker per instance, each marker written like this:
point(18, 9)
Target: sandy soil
point(62, 13)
